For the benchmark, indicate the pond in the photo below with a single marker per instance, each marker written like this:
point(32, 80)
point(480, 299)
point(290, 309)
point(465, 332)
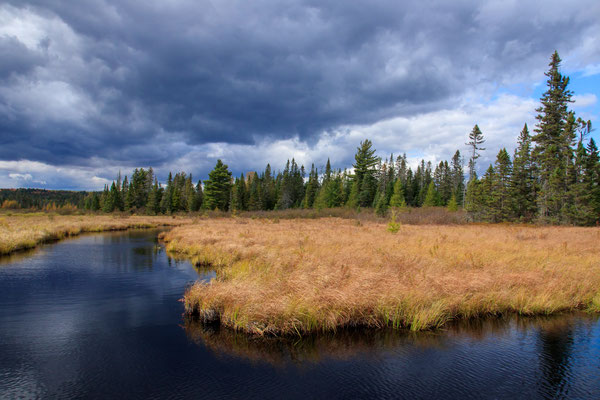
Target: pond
point(99, 316)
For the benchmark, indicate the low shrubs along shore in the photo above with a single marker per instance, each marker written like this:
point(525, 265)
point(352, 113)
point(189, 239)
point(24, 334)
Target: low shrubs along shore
point(24, 231)
point(300, 276)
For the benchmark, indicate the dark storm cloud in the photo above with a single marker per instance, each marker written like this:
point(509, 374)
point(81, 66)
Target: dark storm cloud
point(144, 75)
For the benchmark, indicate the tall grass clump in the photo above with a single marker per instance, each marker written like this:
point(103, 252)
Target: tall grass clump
point(305, 275)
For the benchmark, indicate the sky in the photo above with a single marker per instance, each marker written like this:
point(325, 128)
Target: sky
point(92, 87)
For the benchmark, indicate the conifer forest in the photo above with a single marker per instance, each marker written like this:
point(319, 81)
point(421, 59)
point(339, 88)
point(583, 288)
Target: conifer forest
point(552, 177)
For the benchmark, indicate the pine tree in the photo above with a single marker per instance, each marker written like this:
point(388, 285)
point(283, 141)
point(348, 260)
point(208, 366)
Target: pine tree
point(217, 188)
point(475, 141)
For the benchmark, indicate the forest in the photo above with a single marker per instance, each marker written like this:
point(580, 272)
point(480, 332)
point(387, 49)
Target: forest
point(552, 177)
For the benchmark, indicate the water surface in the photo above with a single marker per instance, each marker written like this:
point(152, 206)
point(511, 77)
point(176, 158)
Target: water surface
point(99, 316)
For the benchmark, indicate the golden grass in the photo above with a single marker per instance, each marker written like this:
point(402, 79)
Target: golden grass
point(299, 276)
point(26, 231)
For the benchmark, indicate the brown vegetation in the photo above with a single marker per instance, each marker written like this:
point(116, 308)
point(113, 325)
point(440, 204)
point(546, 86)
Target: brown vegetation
point(409, 215)
point(26, 231)
point(298, 276)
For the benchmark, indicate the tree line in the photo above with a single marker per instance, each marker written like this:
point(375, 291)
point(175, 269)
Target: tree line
point(41, 199)
point(553, 176)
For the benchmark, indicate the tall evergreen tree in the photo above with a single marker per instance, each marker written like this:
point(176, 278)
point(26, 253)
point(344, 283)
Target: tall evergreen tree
point(238, 195)
point(312, 186)
point(364, 173)
point(500, 201)
point(475, 141)
point(217, 188)
point(552, 152)
point(523, 179)
point(458, 178)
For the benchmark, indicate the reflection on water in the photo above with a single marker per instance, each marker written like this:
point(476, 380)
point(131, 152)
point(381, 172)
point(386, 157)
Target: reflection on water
point(554, 332)
point(545, 357)
point(100, 316)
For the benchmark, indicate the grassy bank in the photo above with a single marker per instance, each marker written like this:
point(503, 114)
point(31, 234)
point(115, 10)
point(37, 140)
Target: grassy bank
point(298, 276)
point(25, 231)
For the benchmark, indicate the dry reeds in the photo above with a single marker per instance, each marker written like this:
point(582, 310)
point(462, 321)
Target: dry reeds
point(298, 276)
point(26, 231)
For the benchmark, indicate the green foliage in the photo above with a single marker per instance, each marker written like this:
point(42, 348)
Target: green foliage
point(523, 185)
point(217, 188)
point(548, 180)
point(475, 141)
point(364, 173)
point(397, 201)
point(555, 133)
point(452, 204)
point(394, 225)
point(380, 204)
point(432, 198)
point(312, 187)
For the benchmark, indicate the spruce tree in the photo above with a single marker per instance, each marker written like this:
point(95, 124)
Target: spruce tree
point(153, 204)
point(458, 178)
point(592, 178)
point(452, 204)
point(553, 143)
point(523, 180)
point(190, 195)
point(312, 186)
point(364, 173)
point(397, 201)
point(238, 194)
point(500, 201)
point(432, 197)
point(217, 188)
point(380, 203)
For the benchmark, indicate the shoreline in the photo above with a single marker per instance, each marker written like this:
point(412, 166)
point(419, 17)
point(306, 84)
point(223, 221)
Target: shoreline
point(24, 232)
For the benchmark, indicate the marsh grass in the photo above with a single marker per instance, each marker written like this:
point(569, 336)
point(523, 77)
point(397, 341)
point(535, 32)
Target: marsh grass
point(22, 231)
point(300, 276)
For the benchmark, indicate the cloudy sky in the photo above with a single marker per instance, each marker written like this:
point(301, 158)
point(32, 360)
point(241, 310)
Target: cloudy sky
point(88, 88)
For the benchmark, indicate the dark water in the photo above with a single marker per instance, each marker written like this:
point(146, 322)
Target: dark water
point(99, 317)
